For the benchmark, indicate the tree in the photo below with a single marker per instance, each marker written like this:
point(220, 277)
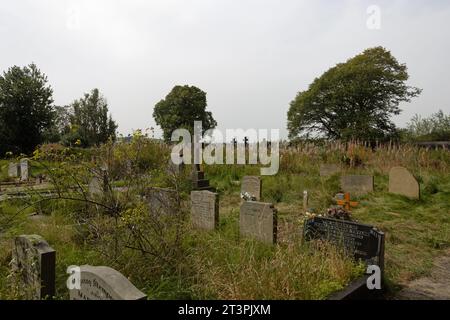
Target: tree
point(434, 128)
point(353, 100)
point(90, 123)
point(26, 109)
point(61, 125)
point(181, 107)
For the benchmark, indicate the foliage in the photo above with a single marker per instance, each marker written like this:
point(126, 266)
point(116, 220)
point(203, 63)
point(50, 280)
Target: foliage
point(90, 124)
point(26, 110)
point(434, 128)
point(180, 108)
point(353, 100)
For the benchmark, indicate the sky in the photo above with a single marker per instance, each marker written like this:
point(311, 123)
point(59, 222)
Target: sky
point(251, 56)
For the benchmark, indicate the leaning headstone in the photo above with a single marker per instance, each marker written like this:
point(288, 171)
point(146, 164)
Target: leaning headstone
point(252, 185)
point(401, 181)
point(362, 241)
point(102, 283)
point(162, 200)
point(329, 169)
point(205, 209)
point(259, 221)
point(13, 170)
point(34, 263)
point(357, 184)
point(24, 169)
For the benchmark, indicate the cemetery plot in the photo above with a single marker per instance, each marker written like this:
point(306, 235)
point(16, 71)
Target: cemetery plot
point(362, 241)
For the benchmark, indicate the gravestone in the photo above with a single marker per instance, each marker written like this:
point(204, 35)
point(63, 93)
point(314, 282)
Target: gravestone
point(162, 200)
point(360, 240)
point(401, 181)
point(99, 183)
point(103, 283)
point(357, 184)
point(24, 169)
point(259, 221)
point(329, 169)
point(252, 185)
point(205, 209)
point(34, 262)
point(13, 170)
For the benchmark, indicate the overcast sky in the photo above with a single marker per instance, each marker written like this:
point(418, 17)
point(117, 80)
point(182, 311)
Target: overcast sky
point(250, 56)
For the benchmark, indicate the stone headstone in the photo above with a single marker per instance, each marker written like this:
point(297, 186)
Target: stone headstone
point(360, 240)
point(104, 283)
point(305, 200)
point(13, 170)
point(401, 181)
point(95, 186)
point(34, 262)
point(252, 185)
point(357, 184)
point(162, 200)
point(329, 169)
point(205, 209)
point(259, 221)
point(24, 169)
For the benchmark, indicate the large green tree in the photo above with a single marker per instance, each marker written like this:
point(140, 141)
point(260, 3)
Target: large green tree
point(353, 100)
point(26, 110)
point(180, 108)
point(90, 123)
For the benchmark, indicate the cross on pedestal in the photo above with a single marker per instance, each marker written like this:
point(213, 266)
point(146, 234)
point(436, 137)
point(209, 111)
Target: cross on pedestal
point(347, 203)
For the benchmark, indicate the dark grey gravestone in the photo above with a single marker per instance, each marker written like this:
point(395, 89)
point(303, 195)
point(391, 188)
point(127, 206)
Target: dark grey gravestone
point(357, 184)
point(104, 283)
point(252, 185)
point(205, 210)
point(34, 262)
point(259, 221)
point(360, 240)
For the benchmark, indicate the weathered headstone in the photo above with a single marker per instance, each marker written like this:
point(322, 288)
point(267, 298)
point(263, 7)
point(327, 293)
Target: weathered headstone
point(258, 220)
point(162, 200)
point(252, 185)
point(205, 209)
point(305, 200)
point(329, 169)
point(99, 183)
point(103, 283)
point(24, 169)
point(401, 181)
point(357, 184)
point(34, 262)
point(13, 170)
point(362, 241)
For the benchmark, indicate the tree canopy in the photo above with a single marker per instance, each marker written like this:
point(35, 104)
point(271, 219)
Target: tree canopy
point(89, 120)
point(180, 108)
point(353, 100)
point(26, 109)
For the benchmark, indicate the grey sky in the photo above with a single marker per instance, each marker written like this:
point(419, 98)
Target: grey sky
point(250, 56)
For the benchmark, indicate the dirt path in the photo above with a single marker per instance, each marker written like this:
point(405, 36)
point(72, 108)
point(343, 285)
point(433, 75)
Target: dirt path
point(434, 287)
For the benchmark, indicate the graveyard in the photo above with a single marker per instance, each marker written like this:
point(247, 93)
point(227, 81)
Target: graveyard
point(221, 231)
point(224, 158)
